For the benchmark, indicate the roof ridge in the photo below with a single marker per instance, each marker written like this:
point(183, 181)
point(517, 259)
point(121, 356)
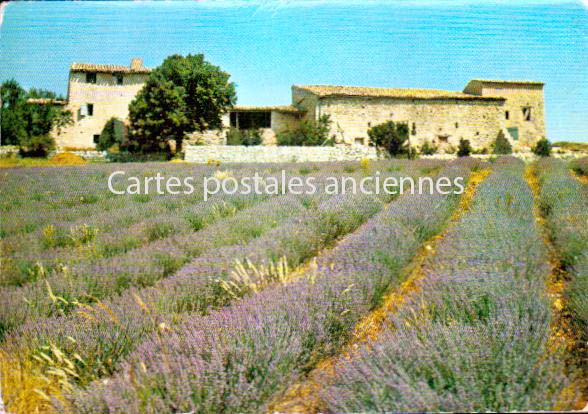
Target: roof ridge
point(402, 93)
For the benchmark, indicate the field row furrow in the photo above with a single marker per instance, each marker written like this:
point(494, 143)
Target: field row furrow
point(475, 335)
point(564, 202)
point(240, 356)
point(60, 292)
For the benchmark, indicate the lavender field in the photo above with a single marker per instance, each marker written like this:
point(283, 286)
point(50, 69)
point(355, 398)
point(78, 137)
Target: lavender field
point(295, 302)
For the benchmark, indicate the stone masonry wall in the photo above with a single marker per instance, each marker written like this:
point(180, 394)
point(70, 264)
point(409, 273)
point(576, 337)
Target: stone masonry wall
point(109, 100)
point(206, 153)
point(441, 122)
point(518, 97)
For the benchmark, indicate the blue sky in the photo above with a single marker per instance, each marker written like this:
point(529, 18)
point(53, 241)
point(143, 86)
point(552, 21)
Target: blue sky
point(268, 45)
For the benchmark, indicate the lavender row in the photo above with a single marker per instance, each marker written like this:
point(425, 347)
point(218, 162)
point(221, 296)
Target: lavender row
point(565, 204)
point(86, 243)
point(88, 282)
point(69, 194)
point(476, 336)
point(236, 358)
point(196, 286)
point(28, 257)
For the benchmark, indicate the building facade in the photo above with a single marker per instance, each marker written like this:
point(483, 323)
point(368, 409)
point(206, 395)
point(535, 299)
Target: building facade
point(97, 93)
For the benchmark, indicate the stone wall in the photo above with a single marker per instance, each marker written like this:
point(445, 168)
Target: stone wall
point(206, 153)
point(441, 122)
point(518, 96)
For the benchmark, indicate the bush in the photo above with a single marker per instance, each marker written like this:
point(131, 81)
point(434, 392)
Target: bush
point(309, 134)
point(501, 146)
point(428, 149)
point(465, 148)
point(391, 137)
point(247, 137)
point(543, 148)
point(580, 166)
point(112, 134)
point(37, 146)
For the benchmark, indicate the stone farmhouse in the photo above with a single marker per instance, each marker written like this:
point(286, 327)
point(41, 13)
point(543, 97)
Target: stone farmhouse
point(484, 108)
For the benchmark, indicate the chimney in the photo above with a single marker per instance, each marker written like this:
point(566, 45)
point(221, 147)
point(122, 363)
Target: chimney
point(136, 63)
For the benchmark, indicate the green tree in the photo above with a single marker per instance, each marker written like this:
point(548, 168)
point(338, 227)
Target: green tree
point(391, 137)
point(12, 113)
point(465, 148)
point(501, 146)
point(543, 148)
point(112, 134)
point(428, 148)
point(183, 95)
point(308, 134)
point(29, 125)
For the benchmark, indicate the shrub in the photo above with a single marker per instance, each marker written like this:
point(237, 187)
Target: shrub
point(428, 149)
point(542, 148)
point(112, 134)
point(465, 148)
point(580, 166)
point(247, 137)
point(501, 145)
point(391, 137)
point(309, 134)
point(37, 146)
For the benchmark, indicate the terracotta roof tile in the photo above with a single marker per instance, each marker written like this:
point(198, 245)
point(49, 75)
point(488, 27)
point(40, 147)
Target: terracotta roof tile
point(405, 93)
point(91, 67)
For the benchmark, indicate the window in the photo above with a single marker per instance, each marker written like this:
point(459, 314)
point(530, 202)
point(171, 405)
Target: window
point(413, 131)
point(369, 124)
point(514, 133)
point(506, 115)
point(251, 120)
point(456, 125)
point(96, 138)
point(443, 138)
point(86, 110)
point(119, 78)
point(90, 77)
point(527, 113)
point(359, 141)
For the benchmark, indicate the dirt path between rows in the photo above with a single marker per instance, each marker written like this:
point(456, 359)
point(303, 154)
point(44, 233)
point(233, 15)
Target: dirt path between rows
point(561, 333)
point(303, 397)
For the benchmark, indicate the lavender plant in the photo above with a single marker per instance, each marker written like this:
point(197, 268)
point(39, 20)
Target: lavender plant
point(475, 336)
point(236, 358)
point(565, 204)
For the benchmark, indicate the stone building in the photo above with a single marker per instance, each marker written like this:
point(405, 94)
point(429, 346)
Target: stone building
point(97, 93)
point(439, 117)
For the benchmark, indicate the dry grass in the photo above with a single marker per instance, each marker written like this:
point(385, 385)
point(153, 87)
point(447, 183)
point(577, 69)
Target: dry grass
point(303, 396)
point(25, 389)
point(59, 160)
